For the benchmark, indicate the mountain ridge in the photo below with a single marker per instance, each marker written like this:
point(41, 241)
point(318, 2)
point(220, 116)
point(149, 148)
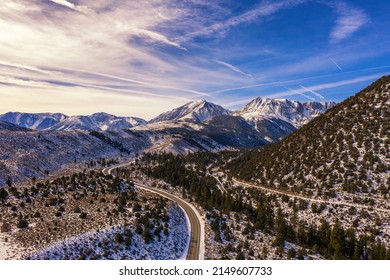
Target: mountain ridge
point(195, 111)
point(273, 119)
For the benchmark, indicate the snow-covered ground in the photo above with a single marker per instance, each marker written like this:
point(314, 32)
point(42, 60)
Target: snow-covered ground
point(103, 244)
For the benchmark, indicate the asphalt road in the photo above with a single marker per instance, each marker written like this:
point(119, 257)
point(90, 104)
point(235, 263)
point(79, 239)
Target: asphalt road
point(196, 228)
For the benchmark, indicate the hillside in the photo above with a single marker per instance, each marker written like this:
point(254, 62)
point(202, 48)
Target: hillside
point(345, 150)
point(25, 154)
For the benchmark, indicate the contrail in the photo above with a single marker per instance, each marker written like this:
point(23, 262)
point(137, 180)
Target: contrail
point(299, 93)
point(335, 63)
point(232, 67)
point(299, 80)
point(312, 91)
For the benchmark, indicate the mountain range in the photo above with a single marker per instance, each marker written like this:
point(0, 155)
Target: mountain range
point(58, 121)
point(273, 119)
point(34, 144)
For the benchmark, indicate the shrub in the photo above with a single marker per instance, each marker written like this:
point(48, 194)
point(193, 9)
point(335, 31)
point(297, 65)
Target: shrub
point(22, 224)
point(118, 238)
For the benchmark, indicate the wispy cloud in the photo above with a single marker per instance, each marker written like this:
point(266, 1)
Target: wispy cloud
point(70, 5)
point(157, 37)
point(165, 51)
point(259, 13)
point(29, 68)
point(349, 20)
point(232, 67)
point(24, 82)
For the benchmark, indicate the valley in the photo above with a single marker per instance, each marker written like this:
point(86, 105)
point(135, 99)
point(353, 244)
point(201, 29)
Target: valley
point(201, 177)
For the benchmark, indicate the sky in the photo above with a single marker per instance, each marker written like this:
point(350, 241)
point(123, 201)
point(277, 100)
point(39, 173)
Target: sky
point(141, 58)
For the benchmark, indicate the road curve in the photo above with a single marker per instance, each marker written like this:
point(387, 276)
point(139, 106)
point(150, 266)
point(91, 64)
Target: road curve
point(195, 251)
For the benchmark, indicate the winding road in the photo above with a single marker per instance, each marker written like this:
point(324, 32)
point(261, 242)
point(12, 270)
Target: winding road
point(292, 195)
point(196, 245)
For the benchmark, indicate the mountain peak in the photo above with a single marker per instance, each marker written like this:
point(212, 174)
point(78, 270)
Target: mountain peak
point(194, 111)
point(293, 112)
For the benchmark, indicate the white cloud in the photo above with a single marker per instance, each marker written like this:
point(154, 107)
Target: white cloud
point(138, 49)
point(70, 5)
point(157, 37)
point(349, 20)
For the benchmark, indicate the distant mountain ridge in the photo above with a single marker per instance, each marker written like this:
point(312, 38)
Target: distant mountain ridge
point(58, 121)
point(39, 121)
point(98, 121)
point(47, 141)
point(273, 119)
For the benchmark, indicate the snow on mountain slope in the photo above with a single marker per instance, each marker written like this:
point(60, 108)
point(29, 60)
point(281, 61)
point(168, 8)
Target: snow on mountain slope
point(317, 108)
point(76, 123)
point(98, 121)
point(48, 121)
point(33, 121)
point(272, 129)
point(195, 111)
point(24, 154)
point(110, 122)
point(293, 112)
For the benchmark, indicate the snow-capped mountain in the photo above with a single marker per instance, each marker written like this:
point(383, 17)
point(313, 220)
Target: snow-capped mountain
point(195, 111)
point(274, 119)
point(293, 112)
point(48, 121)
point(38, 121)
point(317, 108)
point(98, 121)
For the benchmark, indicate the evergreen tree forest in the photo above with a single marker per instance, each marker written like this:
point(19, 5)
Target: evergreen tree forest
point(189, 174)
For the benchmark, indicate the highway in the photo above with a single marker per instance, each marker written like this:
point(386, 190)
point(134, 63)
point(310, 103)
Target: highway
point(196, 245)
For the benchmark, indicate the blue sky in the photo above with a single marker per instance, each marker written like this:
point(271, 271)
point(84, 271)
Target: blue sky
point(140, 58)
